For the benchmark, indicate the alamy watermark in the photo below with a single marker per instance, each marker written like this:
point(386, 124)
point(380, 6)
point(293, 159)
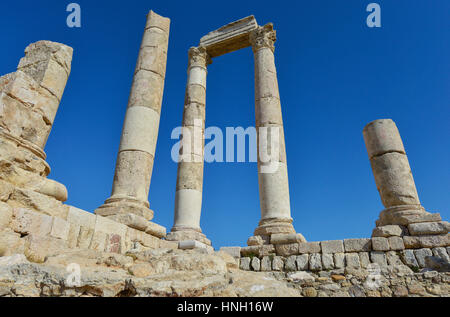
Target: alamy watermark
point(264, 145)
point(74, 18)
point(374, 18)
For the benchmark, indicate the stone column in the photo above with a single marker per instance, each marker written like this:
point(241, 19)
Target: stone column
point(140, 131)
point(188, 197)
point(29, 100)
point(392, 173)
point(272, 174)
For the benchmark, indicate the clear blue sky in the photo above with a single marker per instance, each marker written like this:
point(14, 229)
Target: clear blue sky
point(335, 75)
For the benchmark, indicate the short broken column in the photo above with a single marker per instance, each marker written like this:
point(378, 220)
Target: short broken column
point(188, 197)
point(29, 101)
point(272, 165)
point(394, 180)
point(140, 131)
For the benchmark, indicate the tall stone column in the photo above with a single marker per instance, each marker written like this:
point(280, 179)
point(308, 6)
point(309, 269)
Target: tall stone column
point(140, 131)
point(393, 178)
point(272, 174)
point(188, 197)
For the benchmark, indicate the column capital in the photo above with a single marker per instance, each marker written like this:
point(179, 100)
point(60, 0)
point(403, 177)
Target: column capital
point(198, 56)
point(263, 36)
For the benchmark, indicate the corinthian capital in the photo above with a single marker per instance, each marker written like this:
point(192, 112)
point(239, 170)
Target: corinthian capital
point(198, 56)
point(263, 36)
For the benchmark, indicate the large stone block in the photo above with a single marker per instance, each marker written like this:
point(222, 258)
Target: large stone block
point(29, 199)
point(409, 258)
point(266, 264)
point(85, 237)
point(72, 238)
point(27, 222)
point(440, 252)
point(80, 217)
point(155, 230)
point(309, 247)
point(290, 264)
point(333, 246)
point(23, 122)
point(60, 228)
point(277, 263)
point(315, 262)
point(396, 243)
point(378, 257)
point(108, 226)
point(352, 260)
point(357, 245)
point(415, 242)
point(427, 228)
point(230, 37)
point(286, 249)
point(303, 262)
point(20, 86)
point(387, 231)
point(392, 258)
point(245, 264)
point(380, 244)
point(258, 240)
point(421, 254)
point(364, 259)
point(255, 264)
point(235, 252)
point(282, 238)
point(327, 261)
point(38, 248)
point(98, 241)
point(339, 260)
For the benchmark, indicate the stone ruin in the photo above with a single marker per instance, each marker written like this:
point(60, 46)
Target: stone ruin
point(34, 220)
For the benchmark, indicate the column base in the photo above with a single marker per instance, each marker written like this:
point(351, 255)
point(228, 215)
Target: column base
point(182, 234)
point(116, 206)
point(271, 226)
point(403, 221)
point(274, 236)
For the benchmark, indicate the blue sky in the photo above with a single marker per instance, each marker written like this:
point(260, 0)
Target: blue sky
point(335, 75)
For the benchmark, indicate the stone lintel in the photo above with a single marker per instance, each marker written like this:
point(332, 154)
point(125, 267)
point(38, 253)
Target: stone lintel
point(229, 38)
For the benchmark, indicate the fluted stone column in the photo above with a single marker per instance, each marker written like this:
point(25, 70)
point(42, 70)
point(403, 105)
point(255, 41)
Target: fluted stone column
point(140, 131)
point(188, 197)
point(272, 174)
point(392, 173)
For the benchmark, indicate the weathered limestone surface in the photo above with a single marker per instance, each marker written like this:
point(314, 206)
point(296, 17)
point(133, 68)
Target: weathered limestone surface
point(404, 215)
point(140, 131)
point(230, 37)
point(29, 100)
point(272, 170)
point(188, 197)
